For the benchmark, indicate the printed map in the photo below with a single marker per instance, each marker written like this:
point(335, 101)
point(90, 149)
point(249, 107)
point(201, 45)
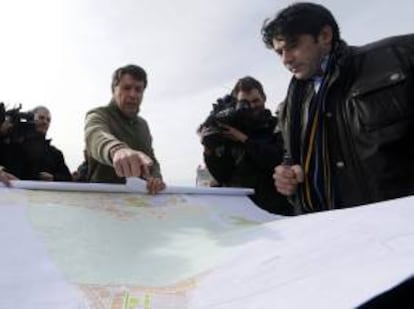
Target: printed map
point(135, 251)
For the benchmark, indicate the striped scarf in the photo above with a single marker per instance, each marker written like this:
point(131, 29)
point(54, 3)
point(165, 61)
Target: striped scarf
point(317, 191)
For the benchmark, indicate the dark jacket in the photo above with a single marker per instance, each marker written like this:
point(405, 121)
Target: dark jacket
point(251, 165)
point(81, 173)
point(43, 157)
point(12, 158)
point(370, 120)
point(26, 159)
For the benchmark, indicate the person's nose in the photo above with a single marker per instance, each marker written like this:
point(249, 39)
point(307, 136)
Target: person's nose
point(287, 57)
point(253, 105)
point(133, 94)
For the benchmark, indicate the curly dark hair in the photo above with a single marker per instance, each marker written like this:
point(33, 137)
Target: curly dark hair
point(296, 19)
point(135, 71)
point(247, 84)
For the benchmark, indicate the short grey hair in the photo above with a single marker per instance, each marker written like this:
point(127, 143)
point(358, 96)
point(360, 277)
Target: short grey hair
point(39, 108)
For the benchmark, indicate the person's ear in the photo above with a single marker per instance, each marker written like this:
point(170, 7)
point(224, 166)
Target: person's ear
point(325, 37)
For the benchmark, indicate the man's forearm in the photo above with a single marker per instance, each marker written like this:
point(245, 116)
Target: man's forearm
point(100, 143)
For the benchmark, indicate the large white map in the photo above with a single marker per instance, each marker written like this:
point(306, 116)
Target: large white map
point(132, 250)
point(178, 251)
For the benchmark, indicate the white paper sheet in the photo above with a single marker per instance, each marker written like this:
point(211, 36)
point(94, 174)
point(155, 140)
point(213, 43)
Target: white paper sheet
point(335, 259)
point(133, 185)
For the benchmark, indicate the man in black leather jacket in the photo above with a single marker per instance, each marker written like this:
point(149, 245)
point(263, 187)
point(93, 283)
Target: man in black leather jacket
point(348, 118)
point(245, 156)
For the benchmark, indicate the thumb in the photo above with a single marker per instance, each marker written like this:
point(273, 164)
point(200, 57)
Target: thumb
point(146, 160)
point(297, 169)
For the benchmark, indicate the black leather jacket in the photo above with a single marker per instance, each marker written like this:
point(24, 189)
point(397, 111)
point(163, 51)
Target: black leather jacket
point(370, 119)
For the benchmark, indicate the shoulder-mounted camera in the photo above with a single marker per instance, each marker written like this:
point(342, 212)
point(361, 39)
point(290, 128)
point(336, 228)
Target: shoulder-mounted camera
point(238, 114)
point(21, 124)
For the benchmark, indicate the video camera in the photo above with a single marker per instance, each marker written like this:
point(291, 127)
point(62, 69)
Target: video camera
point(22, 124)
point(238, 114)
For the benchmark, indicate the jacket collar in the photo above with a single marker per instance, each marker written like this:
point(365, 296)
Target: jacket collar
point(113, 107)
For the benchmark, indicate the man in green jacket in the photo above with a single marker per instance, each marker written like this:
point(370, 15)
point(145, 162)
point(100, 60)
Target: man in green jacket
point(118, 141)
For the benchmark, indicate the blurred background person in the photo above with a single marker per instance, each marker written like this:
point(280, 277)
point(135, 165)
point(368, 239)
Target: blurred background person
point(81, 173)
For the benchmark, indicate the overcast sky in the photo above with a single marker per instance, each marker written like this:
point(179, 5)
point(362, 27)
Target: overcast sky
point(62, 53)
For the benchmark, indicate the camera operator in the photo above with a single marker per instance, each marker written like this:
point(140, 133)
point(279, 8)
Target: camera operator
point(241, 148)
point(14, 128)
